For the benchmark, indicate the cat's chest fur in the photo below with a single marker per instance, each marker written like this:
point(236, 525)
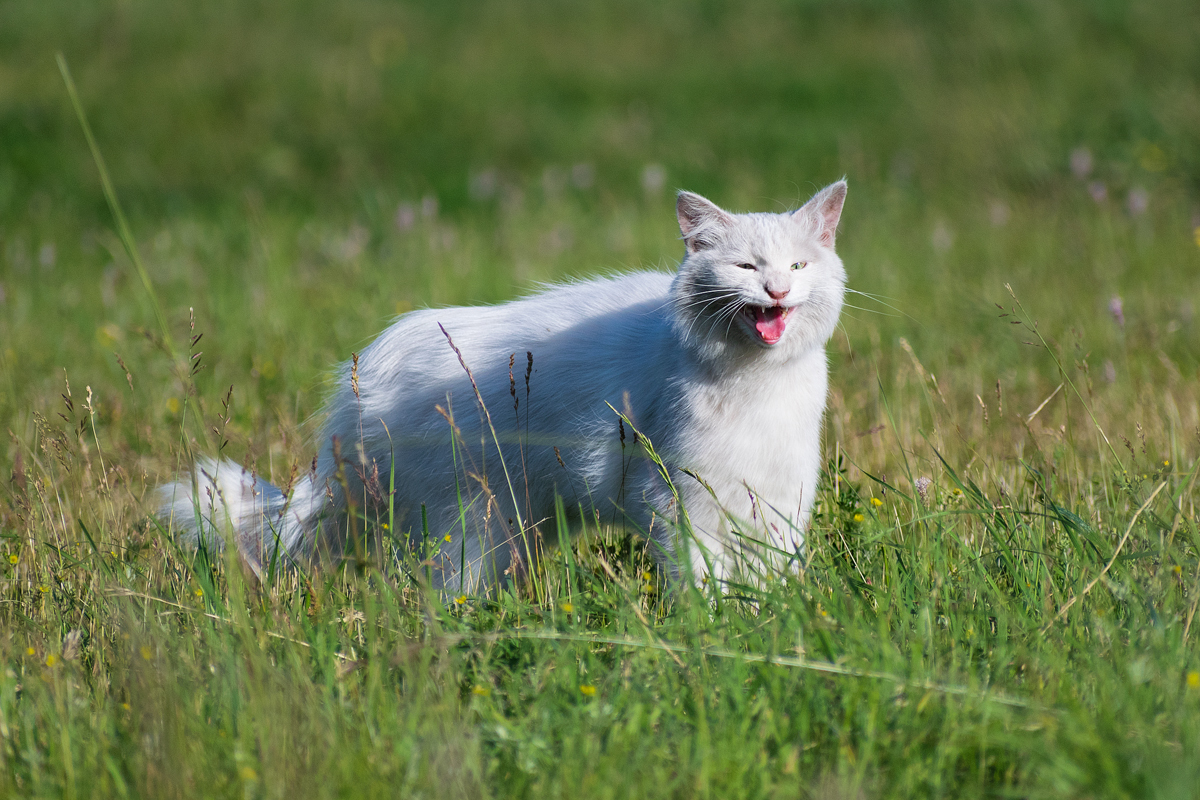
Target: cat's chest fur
point(758, 430)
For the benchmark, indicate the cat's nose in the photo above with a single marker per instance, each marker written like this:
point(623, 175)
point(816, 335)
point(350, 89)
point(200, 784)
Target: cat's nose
point(777, 294)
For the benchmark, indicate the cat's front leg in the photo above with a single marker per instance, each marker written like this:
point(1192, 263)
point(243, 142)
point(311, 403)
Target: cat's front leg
point(685, 526)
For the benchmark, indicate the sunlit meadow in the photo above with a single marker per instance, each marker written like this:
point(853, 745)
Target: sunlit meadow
point(1000, 588)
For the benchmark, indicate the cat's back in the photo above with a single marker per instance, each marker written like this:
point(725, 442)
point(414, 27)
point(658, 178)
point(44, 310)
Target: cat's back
point(558, 308)
point(583, 321)
point(536, 318)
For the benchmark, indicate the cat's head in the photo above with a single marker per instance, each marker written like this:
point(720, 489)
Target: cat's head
point(759, 282)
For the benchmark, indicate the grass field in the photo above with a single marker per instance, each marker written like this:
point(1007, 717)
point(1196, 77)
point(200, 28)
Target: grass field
point(1002, 580)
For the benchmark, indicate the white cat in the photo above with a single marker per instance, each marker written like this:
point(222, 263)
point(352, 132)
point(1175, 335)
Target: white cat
point(722, 366)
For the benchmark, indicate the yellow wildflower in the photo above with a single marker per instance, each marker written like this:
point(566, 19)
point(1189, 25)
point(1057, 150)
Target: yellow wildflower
point(567, 607)
point(449, 537)
point(146, 654)
point(482, 691)
point(859, 517)
point(461, 599)
point(51, 660)
point(1193, 680)
point(588, 690)
point(30, 652)
point(13, 558)
point(875, 501)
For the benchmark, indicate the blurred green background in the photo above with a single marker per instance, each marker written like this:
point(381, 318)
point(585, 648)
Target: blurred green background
point(298, 172)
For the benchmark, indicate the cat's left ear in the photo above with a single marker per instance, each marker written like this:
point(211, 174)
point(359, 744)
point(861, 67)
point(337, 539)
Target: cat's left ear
point(825, 209)
point(701, 221)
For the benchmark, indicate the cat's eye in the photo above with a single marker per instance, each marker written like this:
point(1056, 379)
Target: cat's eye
point(746, 266)
point(800, 265)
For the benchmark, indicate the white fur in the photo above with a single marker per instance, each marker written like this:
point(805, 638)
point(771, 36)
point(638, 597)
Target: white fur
point(672, 353)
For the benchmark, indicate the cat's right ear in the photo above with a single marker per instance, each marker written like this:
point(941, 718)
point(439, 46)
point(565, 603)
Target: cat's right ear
point(825, 209)
point(700, 221)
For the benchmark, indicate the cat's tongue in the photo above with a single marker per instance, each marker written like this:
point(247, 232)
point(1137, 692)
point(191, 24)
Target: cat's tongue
point(770, 323)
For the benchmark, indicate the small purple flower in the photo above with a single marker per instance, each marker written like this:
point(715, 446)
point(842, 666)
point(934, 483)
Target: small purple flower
point(429, 206)
point(483, 185)
point(1137, 201)
point(406, 217)
point(998, 213)
point(1098, 191)
point(1110, 372)
point(1081, 162)
point(923, 486)
point(654, 177)
point(47, 256)
point(583, 175)
point(942, 238)
point(1117, 309)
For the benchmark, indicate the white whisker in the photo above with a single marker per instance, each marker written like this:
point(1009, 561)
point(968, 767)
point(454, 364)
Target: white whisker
point(869, 310)
point(875, 298)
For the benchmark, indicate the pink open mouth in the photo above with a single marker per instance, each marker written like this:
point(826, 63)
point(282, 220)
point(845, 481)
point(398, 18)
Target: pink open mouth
point(769, 322)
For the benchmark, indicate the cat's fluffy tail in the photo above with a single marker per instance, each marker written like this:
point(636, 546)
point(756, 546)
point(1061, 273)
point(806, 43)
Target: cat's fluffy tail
point(221, 500)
